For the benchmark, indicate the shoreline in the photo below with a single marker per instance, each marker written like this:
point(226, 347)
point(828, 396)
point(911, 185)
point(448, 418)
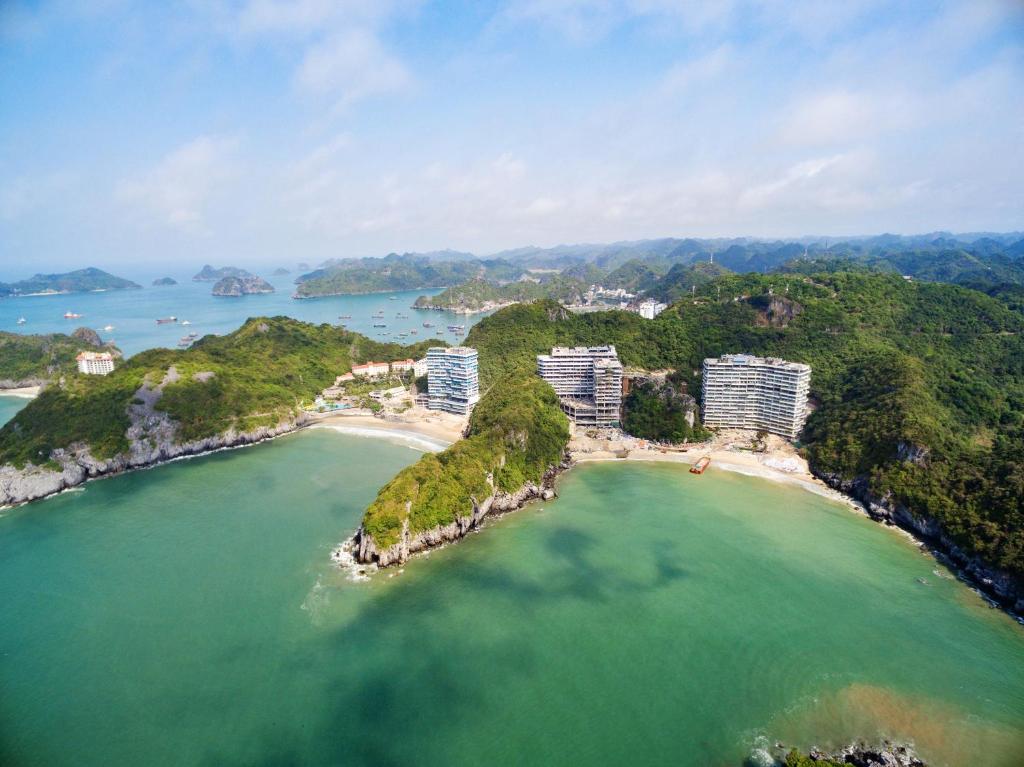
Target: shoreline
point(24, 392)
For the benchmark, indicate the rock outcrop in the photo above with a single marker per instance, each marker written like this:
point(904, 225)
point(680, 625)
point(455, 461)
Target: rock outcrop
point(998, 585)
point(152, 437)
point(498, 502)
point(241, 286)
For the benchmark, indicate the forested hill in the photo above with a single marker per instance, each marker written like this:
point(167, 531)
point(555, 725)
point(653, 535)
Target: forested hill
point(919, 387)
point(78, 281)
point(28, 360)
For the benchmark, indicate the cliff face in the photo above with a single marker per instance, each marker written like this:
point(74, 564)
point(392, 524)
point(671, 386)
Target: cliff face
point(152, 438)
point(997, 584)
point(498, 502)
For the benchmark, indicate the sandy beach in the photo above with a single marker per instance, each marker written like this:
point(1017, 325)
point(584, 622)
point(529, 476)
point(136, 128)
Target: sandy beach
point(440, 428)
point(27, 392)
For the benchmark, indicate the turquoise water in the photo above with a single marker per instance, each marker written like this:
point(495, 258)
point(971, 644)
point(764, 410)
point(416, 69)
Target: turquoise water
point(188, 615)
point(9, 406)
point(133, 313)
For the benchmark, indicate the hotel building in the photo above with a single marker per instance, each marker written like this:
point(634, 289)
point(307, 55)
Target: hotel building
point(453, 379)
point(95, 363)
point(370, 370)
point(745, 392)
point(588, 381)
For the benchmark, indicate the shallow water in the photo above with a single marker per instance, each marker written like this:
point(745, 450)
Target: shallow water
point(133, 313)
point(9, 406)
point(188, 615)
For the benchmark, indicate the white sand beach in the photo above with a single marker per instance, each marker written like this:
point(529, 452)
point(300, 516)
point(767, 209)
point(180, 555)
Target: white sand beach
point(27, 392)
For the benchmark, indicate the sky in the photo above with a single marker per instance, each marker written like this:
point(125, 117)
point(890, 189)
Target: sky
point(264, 131)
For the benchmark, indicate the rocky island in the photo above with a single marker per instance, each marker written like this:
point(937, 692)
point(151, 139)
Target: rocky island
point(211, 274)
point(78, 281)
point(241, 286)
point(164, 281)
point(482, 295)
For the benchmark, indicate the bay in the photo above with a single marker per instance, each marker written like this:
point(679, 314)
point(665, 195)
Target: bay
point(133, 313)
point(189, 615)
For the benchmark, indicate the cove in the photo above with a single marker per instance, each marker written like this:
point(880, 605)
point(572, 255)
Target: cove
point(189, 615)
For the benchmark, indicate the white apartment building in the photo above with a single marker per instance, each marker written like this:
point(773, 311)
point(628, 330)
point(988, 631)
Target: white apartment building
point(402, 366)
point(650, 309)
point(370, 370)
point(95, 363)
point(587, 380)
point(746, 392)
point(453, 379)
point(419, 367)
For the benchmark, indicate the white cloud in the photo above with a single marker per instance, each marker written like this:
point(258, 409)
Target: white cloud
point(178, 189)
point(350, 66)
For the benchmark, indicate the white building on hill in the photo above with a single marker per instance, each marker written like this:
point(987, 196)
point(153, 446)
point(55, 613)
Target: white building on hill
point(370, 370)
point(588, 381)
point(95, 363)
point(453, 379)
point(650, 309)
point(745, 392)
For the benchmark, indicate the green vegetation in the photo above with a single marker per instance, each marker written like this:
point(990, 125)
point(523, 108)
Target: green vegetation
point(78, 281)
point(394, 272)
point(212, 274)
point(795, 759)
point(477, 293)
point(29, 358)
point(919, 387)
point(240, 286)
point(516, 433)
point(659, 412)
point(261, 374)
point(162, 281)
point(681, 279)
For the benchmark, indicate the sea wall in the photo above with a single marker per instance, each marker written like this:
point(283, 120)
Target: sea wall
point(498, 502)
point(997, 584)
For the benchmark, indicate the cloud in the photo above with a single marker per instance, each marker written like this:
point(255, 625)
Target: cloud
point(349, 66)
point(178, 189)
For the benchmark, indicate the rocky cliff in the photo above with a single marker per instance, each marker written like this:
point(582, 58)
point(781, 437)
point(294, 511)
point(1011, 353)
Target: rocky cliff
point(498, 502)
point(152, 437)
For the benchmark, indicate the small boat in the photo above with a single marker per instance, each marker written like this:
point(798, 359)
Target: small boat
point(21, 320)
point(108, 328)
point(412, 332)
point(193, 335)
point(380, 324)
point(186, 322)
point(456, 328)
point(166, 320)
point(71, 316)
point(344, 316)
point(393, 298)
point(701, 465)
point(184, 341)
point(428, 324)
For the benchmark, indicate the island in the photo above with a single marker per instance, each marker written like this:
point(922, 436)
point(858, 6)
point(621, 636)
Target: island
point(482, 295)
point(280, 272)
point(918, 395)
point(212, 274)
point(78, 281)
point(241, 286)
point(34, 360)
point(164, 281)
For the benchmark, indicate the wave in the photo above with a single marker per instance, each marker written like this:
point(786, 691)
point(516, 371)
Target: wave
point(408, 438)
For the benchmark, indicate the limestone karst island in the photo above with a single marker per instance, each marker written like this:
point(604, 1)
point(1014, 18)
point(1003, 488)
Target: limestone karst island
point(548, 382)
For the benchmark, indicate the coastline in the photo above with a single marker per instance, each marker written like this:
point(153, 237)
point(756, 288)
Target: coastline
point(25, 392)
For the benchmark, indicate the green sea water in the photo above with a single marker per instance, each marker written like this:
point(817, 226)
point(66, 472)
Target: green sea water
point(9, 406)
point(189, 615)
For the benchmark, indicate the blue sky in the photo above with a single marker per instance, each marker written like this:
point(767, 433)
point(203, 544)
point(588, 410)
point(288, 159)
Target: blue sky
point(268, 131)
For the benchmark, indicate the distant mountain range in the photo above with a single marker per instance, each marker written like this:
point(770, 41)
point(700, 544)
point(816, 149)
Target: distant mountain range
point(78, 281)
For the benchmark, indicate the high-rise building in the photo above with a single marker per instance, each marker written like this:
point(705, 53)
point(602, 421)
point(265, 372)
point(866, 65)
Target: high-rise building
point(746, 392)
point(453, 379)
point(587, 380)
point(95, 363)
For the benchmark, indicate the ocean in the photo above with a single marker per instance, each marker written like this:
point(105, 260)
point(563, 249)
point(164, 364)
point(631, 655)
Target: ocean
point(190, 615)
point(133, 313)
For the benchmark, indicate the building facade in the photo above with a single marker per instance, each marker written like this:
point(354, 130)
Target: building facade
point(95, 363)
point(587, 380)
point(650, 309)
point(419, 367)
point(402, 366)
point(370, 370)
point(453, 379)
point(745, 392)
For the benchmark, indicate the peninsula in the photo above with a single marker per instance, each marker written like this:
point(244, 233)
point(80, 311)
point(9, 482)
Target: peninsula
point(78, 281)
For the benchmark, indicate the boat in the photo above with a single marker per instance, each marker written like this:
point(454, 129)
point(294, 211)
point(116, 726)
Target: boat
point(380, 324)
point(701, 465)
point(186, 322)
point(166, 320)
point(71, 316)
point(428, 324)
point(108, 328)
point(456, 328)
point(184, 341)
point(393, 298)
point(193, 335)
point(344, 316)
point(21, 320)
point(413, 332)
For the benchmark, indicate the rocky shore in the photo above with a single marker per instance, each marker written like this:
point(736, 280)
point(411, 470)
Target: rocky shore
point(855, 754)
point(997, 585)
point(498, 502)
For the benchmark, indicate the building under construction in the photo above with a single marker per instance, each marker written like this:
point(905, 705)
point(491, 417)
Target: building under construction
point(588, 381)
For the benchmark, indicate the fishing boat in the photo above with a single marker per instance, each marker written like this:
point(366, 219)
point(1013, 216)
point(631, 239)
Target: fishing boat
point(380, 324)
point(166, 320)
point(456, 328)
point(701, 465)
point(71, 316)
point(21, 320)
point(428, 324)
